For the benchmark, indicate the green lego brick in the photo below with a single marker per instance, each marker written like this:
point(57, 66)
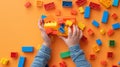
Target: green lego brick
point(111, 43)
point(65, 54)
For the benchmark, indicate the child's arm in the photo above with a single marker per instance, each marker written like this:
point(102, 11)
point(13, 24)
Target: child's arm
point(41, 59)
point(72, 42)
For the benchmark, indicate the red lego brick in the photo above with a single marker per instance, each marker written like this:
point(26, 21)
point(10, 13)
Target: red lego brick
point(94, 6)
point(110, 32)
point(103, 63)
point(49, 6)
point(49, 30)
point(14, 54)
point(27, 4)
point(90, 32)
point(62, 64)
point(55, 32)
point(110, 54)
point(84, 38)
point(80, 2)
point(60, 21)
point(114, 16)
point(92, 57)
point(114, 66)
point(73, 12)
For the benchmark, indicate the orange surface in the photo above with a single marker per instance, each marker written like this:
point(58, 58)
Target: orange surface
point(18, 27)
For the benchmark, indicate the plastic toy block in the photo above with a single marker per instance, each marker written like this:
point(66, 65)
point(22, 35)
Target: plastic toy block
point(39, 3)
point(105, 16)
point(62, 64)
point(95, 23)
point(27, 4)
point(116, 26)
point(114, 66)
point(115, 3)
point(90, 32)
point(49, 19)
point(94, 6)
point(102, 31)
point(43, 16)
point(81, 26)
point(62, 25)
point(81, 10)
point(84, 38)
point(92, 57)
point(119, 63)
point(114, 16)
point(80, 2)
point(48, 30)
point(99, 42)
point(61, 30)
point(96, 48)
point(67, 3)
point(104, 63)
point(110, 32)
point(21, 61)
point(60, 21)
point(4, 61)
point(27, 48)
point(106, 3)
point(53, 25)
point(73, 12)
point(65, 54)
point(110, 54)
point(87, 12)
point(14, 54)
point(70, 18)
point(68, 23)
point(57, 12)
point(49, 6)
point(111, 43)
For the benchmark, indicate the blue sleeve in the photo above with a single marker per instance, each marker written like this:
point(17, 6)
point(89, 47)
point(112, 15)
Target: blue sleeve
point(78, 57)
point(41, 59)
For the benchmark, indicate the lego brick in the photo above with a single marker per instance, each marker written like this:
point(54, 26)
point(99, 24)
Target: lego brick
point(103, 63)
point(53, 25)
point(48, 30)
point(62, 64)
point(92, 57)
point(49, 6)
point(80, 2)
point(84, 38)
point(105, 17)
point(111, 43)
point(27, 48)
point(27, 4)
point(102, 31)
point(81, 26)
point(114, 16)
point(99, 42)
point(67, 3)
point(14, 54)
point(21, 61)
point(110, 32)
point(57, 12)
point(68, 23)
point(94, 6)
point(115, 3)
point(49, 19)
point(60, 21)
point(61, 30)
point(70, 18)
point(110, 54)
point(81, 10)
point(55, 32)
point(106, 3)
point(43, 16)
point(73, 12)
point(4, 61)
point(96, 48)
point(87, 12)
point(95, 23)
point(116, 26)
point(114, 66)
point(39, 3)
point(65, 54)
point(90, 31)
point(62, 25)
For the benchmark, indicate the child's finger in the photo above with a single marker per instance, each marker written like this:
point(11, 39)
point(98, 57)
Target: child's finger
point(81, 34)
point(63, 38)
point(74, 31)
point(69, 32)
point(78, 32)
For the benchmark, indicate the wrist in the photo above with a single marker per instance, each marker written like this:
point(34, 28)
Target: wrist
point(46, 44)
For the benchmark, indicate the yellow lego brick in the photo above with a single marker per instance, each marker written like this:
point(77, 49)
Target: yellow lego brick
point(102, 31)
point(68, 23)
point(39, 3)
point(5, 62)
point(81, 10)
point(106, 3)
point(52, 25)
point(96, 48)
point(1, 61)
point(81, 26)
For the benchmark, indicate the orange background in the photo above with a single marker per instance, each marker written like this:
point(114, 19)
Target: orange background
point(18, 27)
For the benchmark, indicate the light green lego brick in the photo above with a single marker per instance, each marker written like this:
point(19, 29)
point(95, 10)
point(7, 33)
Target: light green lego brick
point(65, 54)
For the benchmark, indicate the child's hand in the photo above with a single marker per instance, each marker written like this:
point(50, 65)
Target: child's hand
point(73, 37)
point(46, 38)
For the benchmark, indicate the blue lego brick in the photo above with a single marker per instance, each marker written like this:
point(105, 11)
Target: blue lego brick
point(67, 3)
point(105, 16)
point(27, 49)
point(115, 3)
point(87, 12)
point(21, 61)
point(62, 25)
point(61, 30)
point(95, 23)
point(116, 26)
point(99, 42)
point(43, 16)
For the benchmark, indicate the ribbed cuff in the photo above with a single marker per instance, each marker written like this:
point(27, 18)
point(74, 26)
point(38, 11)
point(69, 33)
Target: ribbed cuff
point(45, 49)
point(75, 48)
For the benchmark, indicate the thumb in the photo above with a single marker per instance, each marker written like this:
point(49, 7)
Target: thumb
point(63, 38)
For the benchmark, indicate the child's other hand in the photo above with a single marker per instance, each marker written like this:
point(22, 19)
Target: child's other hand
point(46, 38)
point(73, 37)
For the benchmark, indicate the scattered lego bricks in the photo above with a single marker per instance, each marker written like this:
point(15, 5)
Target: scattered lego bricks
point(14, 54)
point(21, 61)
point(102, 31)
point(65, 54)
point(27, 4)
point(106, 3)
point(105, 16)
point(94, 6)
point(90, 32)
point(27, 48)
point(95, 23)
point(111, 43)
point(67, 3)
point(39, 3)
point(99, 42)
point(87, 12)
point(49, 6)
point(92, 57)
point(80, 2)
point(104, 63)
point(4, 61)
point(110, 55)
